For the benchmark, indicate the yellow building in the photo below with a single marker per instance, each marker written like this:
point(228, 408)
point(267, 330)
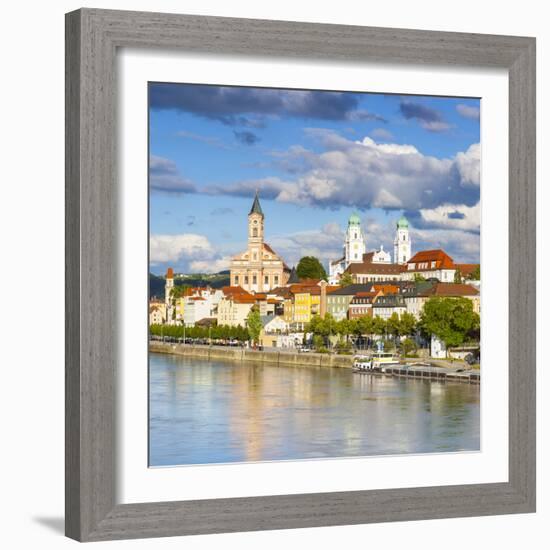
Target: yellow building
point(306, 304)
point(259, 268)
point(179, 305)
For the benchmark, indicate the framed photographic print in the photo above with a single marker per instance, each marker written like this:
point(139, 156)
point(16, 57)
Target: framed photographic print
point(287, 246)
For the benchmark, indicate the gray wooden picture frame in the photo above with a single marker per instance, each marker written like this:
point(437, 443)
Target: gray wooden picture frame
point(92, 39)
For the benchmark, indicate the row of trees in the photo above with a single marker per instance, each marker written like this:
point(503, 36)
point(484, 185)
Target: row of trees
point(221, 332)
point(396, 325)
point(452, 320)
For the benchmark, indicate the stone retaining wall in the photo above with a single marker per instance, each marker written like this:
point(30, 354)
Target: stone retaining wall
point(244, 354)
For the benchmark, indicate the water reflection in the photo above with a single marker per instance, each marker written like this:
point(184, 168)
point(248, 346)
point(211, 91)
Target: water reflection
point(215, 411)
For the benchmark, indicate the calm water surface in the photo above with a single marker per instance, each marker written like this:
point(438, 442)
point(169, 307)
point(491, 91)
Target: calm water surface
point(216, 411)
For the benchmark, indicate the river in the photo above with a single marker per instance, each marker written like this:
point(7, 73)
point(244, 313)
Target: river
point(217, 412)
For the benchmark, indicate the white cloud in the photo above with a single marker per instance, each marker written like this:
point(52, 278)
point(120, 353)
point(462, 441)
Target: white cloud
point(468, 165)
point(325, 244)
point(210, 266)
point(164, 176)
point(389, 148)
point(455, 216)
point(462, 246)
point(178, 248)
point(365, 174)
point(468, 111)
point(382, 133)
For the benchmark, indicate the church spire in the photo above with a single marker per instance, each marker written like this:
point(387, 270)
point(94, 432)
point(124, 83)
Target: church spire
point(256, 208)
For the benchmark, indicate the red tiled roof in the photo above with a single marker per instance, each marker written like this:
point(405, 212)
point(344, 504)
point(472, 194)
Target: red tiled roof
point(467, 269)
point(450, 290)
point(282, 291)
point(169, 273)
point(309, 282)
point(305, 289)
point(386, 289)
point(442, 259)
point(234, 290)
point(243, 299)
point(367, 268)
point(367, 257)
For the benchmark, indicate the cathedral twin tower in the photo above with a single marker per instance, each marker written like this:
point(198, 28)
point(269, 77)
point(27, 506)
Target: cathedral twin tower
point(355, 248)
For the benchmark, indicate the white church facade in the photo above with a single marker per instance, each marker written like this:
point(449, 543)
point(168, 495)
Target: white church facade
point(259, 268)
point(355, 249)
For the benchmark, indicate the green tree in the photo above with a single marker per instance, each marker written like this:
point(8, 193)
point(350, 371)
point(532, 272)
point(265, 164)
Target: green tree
point(419, 278)
point(458, 276)
point(451, 320)
point(407, 324)
point(325, 328)
point(365, 325)
point(393, 325)
point(318, 342)
point(344, 328)
point(379, 326)
point(254, 324)
point(178, 291)
point(346, 279)
point(310, 267)
point(408, 346)
point(475, 275)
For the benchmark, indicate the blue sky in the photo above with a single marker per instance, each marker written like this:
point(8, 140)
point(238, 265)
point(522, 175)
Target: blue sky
point(315, 157)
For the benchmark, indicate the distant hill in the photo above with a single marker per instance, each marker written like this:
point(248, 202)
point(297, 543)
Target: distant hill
point(216, 280)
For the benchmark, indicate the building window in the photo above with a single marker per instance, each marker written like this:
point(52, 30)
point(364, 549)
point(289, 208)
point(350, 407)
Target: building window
point(236, 280)
point(403, 237)
point(266, 280)
point(254, 279)
point(255, 232)
point(276, 279)
point(246, 279)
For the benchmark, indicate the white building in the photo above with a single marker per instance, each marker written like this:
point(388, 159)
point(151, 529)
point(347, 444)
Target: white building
point(156, 316)
point(402, 242)
point(430, 264)
point(381, 256)
point(201, 304)
point(354, 248)
point(438, 350)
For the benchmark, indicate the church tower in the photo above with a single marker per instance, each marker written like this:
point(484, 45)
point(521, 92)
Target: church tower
point(402, 242)
point(167, 294)
point(259, 268)
point(255, 231)
point(354, 247)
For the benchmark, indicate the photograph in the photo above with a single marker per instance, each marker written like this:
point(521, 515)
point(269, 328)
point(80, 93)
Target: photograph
point(314, 274)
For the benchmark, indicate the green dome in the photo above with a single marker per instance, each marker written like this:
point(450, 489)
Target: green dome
point(402, 223)
point(354, 219)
